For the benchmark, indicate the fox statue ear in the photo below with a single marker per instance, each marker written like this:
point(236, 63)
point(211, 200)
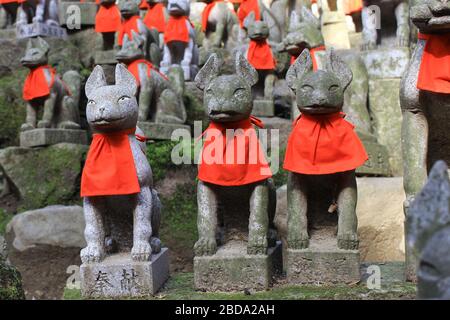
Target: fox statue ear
point(42, 44)
point(245, 70)
point(210, 70)
point(301, 66)
point(96, 80)
point(29, 44)
point(125, 78)
point(339, 68)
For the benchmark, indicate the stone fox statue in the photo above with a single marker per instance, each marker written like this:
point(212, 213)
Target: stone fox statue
point(179, 40)
point(228, 101)
point(158, 100)
point(38, 11)
point(117, 175)
point(44, 89)
point(321, 143)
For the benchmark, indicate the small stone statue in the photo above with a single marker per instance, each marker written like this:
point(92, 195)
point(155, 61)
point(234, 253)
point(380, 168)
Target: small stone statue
point(428, 234)
point(374, 10)
point(9, 15)
point(107, 23)
point(179, 40)
point(156, 17)
point(118, 177)
point(228, 100)
point(158, 101)
point(218, 22)
point(43, 89)
point(424, 99)
point(259, 54)
point(43, 11)
point(322, 143)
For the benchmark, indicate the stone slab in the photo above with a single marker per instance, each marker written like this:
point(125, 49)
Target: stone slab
point(263, 108)
point(232, 269)
point(88, 11)
point(105, 57)
point(323, 262)
point(390, 62)
point(378, 163)
point(119, 276)
point(384, 105)
point(45, 137)
point(39, 29)
point(335, 30)
point(161, 131)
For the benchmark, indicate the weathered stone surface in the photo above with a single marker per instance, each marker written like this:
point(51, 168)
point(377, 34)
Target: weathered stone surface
point(105, 57)
point(119, 276)
point(60, 226)
point(3, 250)
point(378, 163)
point(380, 218)
point(39, 29)
point(10, 279)
point(384, 105)
point(232, 269)
point(263, 108)
point(386, 62)
point(88, 10)
point(46, 137)
point(44, 176)
point(335, 30)
point(161, 131)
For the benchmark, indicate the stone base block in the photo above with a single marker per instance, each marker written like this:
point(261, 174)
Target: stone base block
point(9, 34)
point(39, 29)
point(119, 276)
point(88, 11)
point(263, 108)
point(390, 62)
point(378, 163)
point(335, 30)
point(105, 57)
point(46, 137)
point(232, 269)
point(161, 131)
point(323, 262)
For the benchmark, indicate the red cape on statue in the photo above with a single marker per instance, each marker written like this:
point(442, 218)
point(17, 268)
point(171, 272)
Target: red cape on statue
point(9, 1)
point(155, 18)
point(108, 19)
point(110, 167)
point(312, 53)
point(323, 144)
point(36, 85)
point(247, 6)
point(434, 72)
point(352, 6)
point(126, 27)
point(177, 29)
point(143, 5)
point(260, 55)
point(134, 69)
point(236, 160)
point(206, 12)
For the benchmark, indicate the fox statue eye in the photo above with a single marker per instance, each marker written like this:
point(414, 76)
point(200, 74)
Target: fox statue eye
point(91, 102)
point(123, 98)
point(333, 88)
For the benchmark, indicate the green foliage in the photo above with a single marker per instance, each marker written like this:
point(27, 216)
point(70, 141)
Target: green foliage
point(5, 217)
point(10, 283)
point(280, 178)
point(194, 109)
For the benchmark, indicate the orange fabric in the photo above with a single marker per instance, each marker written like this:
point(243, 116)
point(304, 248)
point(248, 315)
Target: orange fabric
point(235, 160)
point(260, 55)
point(108, 19)
point(144, 5)
point(134, 69)
point(126, 27)
point(206, 12)
point(8, 1)
point(36, 84)
point(247, 6)
point(177, 29)
point(312, 53)
point(434, 72)
point(110, 167)
point(352, 6)
point(323, 144)
point(154, 18)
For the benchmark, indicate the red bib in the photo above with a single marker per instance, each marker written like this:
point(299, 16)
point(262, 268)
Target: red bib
point(108, 19)
point(126, 27)
point(155, 18)
point(177, 29)
point(36, 84)
point(110, 167)
point(247, 6)
point(322, 145)
point(235, 160)
point(260, 55)
point(143, 5)
point(352, 6)
point(134, 69)
point(206, 12)
point(434, 73)
point(8, 1)
point(312, 53)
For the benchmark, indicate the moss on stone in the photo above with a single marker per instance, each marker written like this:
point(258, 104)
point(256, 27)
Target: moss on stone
point(5, 218)
point(10, 283)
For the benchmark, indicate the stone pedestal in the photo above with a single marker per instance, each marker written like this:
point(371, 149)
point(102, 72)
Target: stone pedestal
point(322, 263)
point(105, 57)
point(39, 29)
point(335, 30)
point(161, 131)
point(378, 163)
point(119, 276)
point(263, 108)
point(232, 269)
point(87, 10)
point(386, 62)
point(46, 137)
